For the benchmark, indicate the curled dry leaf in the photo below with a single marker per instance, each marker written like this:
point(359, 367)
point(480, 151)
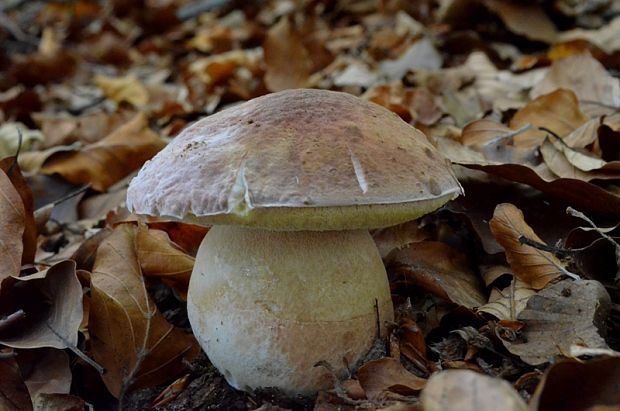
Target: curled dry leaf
point(466, 390)
point(12, 220)
point(130, 337)
point(575, 385)
point(52, 301)
point(380, 377)
point(13, 392)
point(109, 160)
point(506, 304)
point(534, 267)
point(442, 270)
point(160, 257)
point(566, 313)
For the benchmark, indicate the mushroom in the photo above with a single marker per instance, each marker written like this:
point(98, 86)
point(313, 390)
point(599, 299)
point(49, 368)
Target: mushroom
point(288, 276)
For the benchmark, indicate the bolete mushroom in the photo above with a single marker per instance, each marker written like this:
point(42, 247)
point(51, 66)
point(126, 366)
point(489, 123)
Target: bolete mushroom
point(288, 275)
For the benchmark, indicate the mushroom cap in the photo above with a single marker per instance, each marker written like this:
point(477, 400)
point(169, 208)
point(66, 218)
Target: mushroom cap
point(296, 160)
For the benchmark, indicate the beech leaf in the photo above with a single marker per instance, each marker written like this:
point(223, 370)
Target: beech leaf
point(12, 221)
point(531, 265)
point(388, 375)
point(130, 337)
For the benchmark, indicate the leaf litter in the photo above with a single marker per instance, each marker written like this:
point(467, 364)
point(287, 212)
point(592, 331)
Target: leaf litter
point(502, 299)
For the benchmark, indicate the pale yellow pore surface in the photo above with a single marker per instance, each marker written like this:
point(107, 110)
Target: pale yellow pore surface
point(326, 218)
point(268, 305)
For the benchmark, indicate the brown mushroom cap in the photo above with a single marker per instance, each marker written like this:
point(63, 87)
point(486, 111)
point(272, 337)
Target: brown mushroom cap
point(296, 160)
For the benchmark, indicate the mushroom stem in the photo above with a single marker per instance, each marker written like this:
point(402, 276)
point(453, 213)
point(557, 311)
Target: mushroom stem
point(266, 306)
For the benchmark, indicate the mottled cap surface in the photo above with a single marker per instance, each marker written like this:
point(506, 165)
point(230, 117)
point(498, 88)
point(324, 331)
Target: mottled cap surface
point(298, 152)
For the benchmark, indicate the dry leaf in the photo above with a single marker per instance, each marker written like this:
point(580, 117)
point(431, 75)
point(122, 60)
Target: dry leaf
point(506, 304)
point(121, 89)
point(585, 76)
point(379, 377)
point(160, 257)
point(605, 37)
point(104, 163)
point(557, 111)
point(130, 337)
point(534, 267)
point(420, 55)
point(396, 237)
point(288, 62)
point(29, 237)
point(442, 270)
point(577, 385)
point(12, 220)
point(566, 313)
point(52, 301)
point(13, 392)
point(466, 390)
point(45, 371)
point(527, 19)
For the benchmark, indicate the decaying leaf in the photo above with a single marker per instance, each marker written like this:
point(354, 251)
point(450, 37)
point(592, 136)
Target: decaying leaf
point(160, 257)
point(576, 385)
point(466, 390)
point(379, 377)
point(533, 266)
point(107, 161)
point(130, 338)
point(13, 392)
point(566, 313)
point(442, 270)
point(45, 371)
point(506, 304)
point(12, 220)
point(52, 301)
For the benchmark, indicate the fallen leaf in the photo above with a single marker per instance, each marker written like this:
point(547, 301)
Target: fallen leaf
point(379, 377)
point(54, 402)
point(287, 60)
point(585, 76)
point(527, 19)
point(52, 301)
point(420, 55)
point(29, 238)
point(129, 336)
point(557, 111)
point(534, 267)
point(508, 303)
point(396, 237)
point(104, 163)
point(12, 220)
point(187, 236)
point(466, 390)
point(45, 371)
point(577, 385)
point(566, 313)
point(123, 89)
point(605, 37)
point(13, 392)
point(159, 257)
point(9, 138)
point(442, 270)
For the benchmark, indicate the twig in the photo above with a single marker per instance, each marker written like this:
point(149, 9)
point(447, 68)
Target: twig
point(553, 250)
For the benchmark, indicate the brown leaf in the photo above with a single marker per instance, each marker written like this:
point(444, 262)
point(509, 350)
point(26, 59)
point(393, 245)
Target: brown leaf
point(52, 301)
point(187, 236)
point(30, 230)
point(160, 257)
point(287, 60)
point(12, 220)
point(45, 371)
point(506, 304)
point(105, 162)
point(557, 111)
point(527, 19)
point(442, 270)
point(121, 89)
point(379, 377)
point(566, 313)
point(396, 237)
point(13, 392)
point(534, 267)
point(494, 141)
point(57, 402)
point(585, 76)
point(466, 390)
point(130, 337)
point(575, 385)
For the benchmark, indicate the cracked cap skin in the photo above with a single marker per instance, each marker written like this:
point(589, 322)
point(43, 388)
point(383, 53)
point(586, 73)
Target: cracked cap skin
point(300, 159)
